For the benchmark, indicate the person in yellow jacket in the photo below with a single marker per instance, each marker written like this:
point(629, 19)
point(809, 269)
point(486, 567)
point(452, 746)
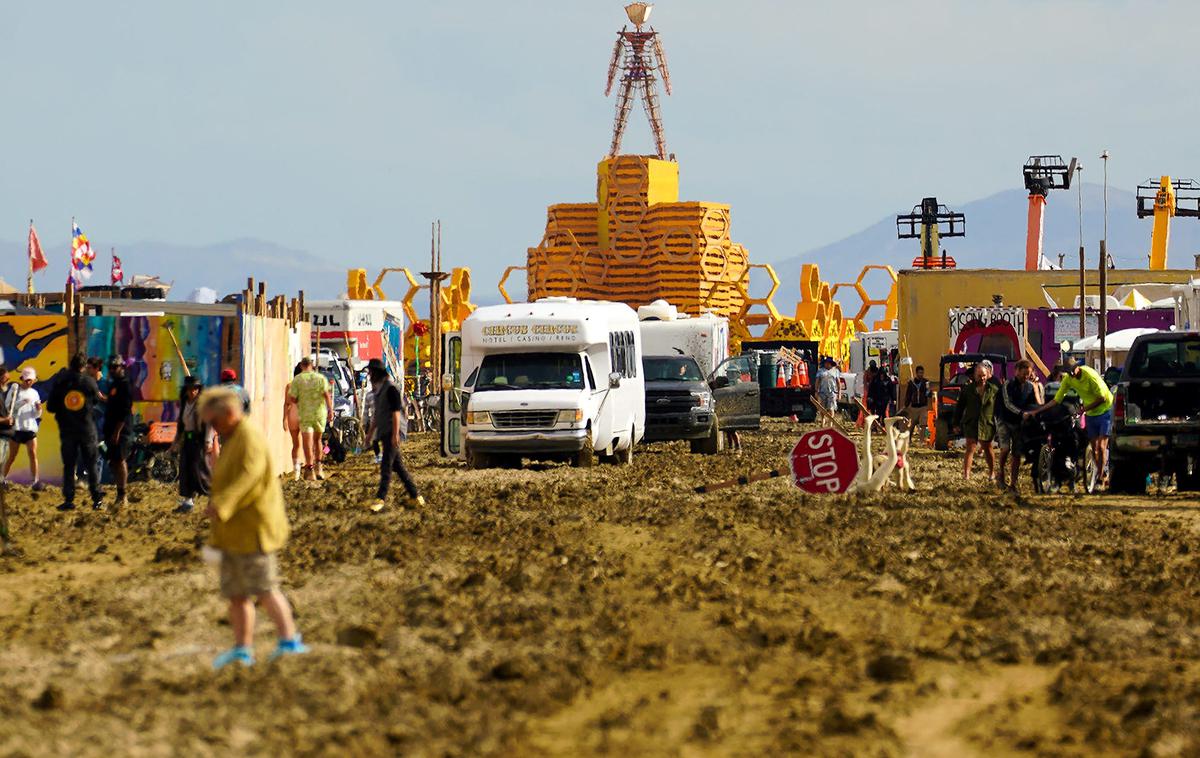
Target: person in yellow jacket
point(249, 525)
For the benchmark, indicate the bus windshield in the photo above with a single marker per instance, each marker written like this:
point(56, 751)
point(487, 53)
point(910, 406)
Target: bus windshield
point(530, 371)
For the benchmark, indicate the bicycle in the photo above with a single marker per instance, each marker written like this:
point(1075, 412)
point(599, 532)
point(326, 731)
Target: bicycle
point(151, 456)
point(1061, 454)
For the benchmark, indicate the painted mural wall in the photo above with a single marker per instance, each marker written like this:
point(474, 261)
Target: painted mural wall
point(270, 351)
point(39, 342)
point(156, 370)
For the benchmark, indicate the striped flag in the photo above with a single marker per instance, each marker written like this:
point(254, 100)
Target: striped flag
point(37, 258)
point(82, 255)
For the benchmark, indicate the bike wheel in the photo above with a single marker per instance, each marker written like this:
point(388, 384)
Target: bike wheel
point(1043, 471)
point(1092, 475)
point(352, 434)
point(165, 468)
point(433, 419)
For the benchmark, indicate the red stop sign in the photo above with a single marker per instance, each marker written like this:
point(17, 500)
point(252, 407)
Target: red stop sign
point(824, 461)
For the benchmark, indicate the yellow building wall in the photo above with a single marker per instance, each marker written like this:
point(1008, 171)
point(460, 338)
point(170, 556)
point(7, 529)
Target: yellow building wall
point(926, 297)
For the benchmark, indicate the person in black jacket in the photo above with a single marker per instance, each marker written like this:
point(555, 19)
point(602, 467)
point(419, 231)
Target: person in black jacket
point(1019, 395)
point(71, 401)
point(881, 393)
point(389, 426)
point(193, 444)
point(117, 425)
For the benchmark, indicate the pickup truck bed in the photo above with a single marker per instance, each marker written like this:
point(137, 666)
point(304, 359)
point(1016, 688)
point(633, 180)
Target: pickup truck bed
point(1156, 413)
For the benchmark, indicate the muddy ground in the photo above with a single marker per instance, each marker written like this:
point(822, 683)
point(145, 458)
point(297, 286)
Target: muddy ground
point(614, 612)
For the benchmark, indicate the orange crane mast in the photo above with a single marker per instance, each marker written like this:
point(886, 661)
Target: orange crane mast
point(1042, 173)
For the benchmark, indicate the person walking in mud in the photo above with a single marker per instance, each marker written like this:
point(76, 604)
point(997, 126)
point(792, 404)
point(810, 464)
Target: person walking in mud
point(71, 401)
point(1097, 400)
point(314, 400)
point(829, 381)
point(1019, 395)
point(881, 393)
point(249, 526)
point(95, 369)
point(117, 426)
point(916, 402)
point(291, 424)
point(975, 415)
point(26, 417)
point(390, 427)
point(193, 444)
point(8, 399)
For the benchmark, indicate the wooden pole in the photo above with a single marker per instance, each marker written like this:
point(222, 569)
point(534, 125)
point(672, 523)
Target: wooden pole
point(178, 351)
point(435, 317)
point(1082, 294)
point(741, 480)
point(29, 281)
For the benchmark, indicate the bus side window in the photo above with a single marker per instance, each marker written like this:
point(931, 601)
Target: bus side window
point(632, 357)
point(622, 353)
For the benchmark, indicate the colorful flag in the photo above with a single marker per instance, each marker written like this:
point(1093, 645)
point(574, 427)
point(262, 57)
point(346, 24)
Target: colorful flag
point(82, 255)
point(118, 273)
point(37, 259)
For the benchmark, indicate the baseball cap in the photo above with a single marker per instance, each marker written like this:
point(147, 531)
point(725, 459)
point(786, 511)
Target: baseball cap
point(228, 375)
point(28, 373)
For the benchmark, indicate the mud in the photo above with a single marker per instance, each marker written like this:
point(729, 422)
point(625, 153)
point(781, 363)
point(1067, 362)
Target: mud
point(611, 611)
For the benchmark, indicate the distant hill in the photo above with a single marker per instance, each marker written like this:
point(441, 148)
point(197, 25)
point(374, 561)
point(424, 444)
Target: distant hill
point(223, 266)
point(996, 238)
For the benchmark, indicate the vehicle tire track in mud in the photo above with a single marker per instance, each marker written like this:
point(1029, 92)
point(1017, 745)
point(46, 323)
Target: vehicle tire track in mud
point(551, 610)
point(942, 726)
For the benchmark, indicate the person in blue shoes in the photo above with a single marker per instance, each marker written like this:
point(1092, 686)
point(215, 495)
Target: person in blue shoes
point(249, 526)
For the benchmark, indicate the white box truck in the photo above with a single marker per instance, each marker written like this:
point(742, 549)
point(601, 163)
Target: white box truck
point(666, 331)
point(555, 379)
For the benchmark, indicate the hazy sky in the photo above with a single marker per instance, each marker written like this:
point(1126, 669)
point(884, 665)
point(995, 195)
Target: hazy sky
point(344, 128)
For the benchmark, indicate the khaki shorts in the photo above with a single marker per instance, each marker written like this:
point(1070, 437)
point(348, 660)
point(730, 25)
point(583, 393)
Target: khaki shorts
point(1007, 435)
point(248, 574)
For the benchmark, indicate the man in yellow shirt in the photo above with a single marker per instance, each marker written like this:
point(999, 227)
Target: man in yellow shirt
point(1097, 401)
point(249, 525)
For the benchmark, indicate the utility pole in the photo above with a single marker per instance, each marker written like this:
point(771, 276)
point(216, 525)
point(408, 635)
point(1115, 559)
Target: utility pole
point(435, 276)
point(1102, 321)
point(1082, 258)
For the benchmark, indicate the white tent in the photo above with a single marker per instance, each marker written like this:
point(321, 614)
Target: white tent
point(1117, 341)
point(1116, 347)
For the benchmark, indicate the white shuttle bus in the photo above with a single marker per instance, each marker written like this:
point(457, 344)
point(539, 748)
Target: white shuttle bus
point(555, 379)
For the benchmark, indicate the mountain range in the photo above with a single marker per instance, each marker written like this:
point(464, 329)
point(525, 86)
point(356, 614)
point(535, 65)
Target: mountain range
point(223, 266)
point(995, 238)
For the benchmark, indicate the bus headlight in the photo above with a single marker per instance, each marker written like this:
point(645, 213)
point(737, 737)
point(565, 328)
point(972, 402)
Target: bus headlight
point(479, 417)
point(573, 416)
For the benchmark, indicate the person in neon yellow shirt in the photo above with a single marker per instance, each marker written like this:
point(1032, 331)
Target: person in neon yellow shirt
point(1097, 401)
